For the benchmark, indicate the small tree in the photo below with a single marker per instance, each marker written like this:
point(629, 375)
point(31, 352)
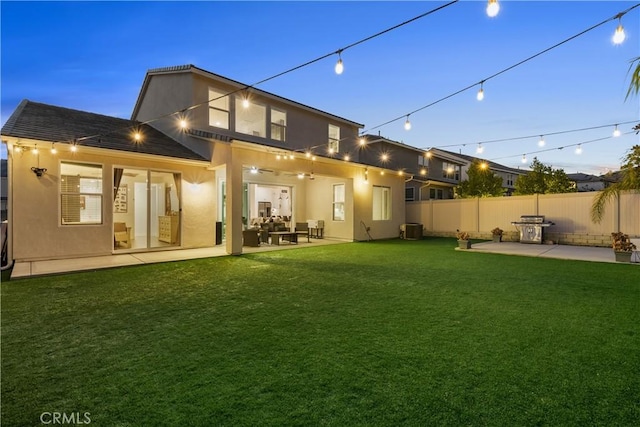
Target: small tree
point(482, 182)
point(543, 179)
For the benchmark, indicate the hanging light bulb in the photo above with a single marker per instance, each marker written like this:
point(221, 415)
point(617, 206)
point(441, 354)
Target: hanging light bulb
point(423, 171)
point(245, 103)
point(308, 154)
point(524, 158)
point(74, 148)
point(407, 124)
point(35, 149)
point(483, 165)
point(339, 66)
point(493, 8)
point(363, 141)
point(384, 157)
point(541, 142)
point(17, 148)
point(579, 149)
point(616, 132)
point(53, 149)
point(254, 170)
point(347, 158)
point(137, 136)
point(278, 156)
point(619, 35)
point(301, 175)
point(480, 95)
point(480, 149)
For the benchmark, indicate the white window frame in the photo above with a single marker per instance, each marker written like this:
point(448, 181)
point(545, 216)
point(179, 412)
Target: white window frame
point(455, 175)
point(218, 104)
point(253, 110)
point(280, 127)
point(381, 209)
point(412, 197)
point(85, 196)
point(338, 202)
point(333, 139)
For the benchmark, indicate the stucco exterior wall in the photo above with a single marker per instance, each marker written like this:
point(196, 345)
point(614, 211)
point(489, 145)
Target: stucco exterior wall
point(36, 229)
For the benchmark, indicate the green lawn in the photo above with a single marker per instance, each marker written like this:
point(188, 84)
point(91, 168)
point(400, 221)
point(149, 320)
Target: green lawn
point(379, 333)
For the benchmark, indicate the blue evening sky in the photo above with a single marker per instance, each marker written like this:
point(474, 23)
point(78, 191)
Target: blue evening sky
point(93, 56)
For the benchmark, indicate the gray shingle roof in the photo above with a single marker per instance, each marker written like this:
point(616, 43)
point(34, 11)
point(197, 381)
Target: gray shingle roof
point(45, 122)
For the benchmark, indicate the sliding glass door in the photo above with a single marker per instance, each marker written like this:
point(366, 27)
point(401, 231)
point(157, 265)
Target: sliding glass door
point(146, 209)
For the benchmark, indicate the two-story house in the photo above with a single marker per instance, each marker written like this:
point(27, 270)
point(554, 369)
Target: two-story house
point(429, 173)
point(202, 156)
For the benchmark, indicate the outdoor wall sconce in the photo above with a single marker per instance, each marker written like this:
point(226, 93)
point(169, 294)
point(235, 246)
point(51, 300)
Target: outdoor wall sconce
point(38, 171)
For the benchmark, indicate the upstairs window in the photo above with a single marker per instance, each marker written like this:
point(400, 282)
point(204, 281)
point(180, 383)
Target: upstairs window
point(80, 193)
point(278, 125)
point(334, 139)
point(251, 118)
point(218, 109)
point(451, 171)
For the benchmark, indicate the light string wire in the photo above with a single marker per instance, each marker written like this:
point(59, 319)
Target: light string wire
point(616, 16)
point(247, 87)
point(562, 147)
point(490, 141)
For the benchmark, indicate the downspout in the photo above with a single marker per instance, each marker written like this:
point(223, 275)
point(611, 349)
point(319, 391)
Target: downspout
point(10, 260)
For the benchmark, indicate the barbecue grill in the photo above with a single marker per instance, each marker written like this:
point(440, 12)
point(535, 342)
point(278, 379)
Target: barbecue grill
point(531, 228)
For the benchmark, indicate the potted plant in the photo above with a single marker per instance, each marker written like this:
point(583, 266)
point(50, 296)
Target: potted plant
point(497, 234)
point(463, 240)
point(622, 246)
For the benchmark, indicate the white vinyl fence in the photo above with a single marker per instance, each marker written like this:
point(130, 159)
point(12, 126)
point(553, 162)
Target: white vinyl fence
point(570, 213)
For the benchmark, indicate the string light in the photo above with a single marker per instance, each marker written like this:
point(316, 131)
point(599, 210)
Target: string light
point(384, 157)
point(619, 36)
point(347, 157)
point(616, 132)
point(339, 65)
point(510, 67)
point(35, 149)
point(254, 170)
point(245, 103)
point(137, 136)
point(493, 7)
point(480, 95)
point(541, 142)
point(407, 123)
point(74, 147)
point(480, 149)
point(301, 175)
point(183, 124)
point(363, 141)
point(423, 171)
point(579, 149)
point(53, 149)
point(524, 158)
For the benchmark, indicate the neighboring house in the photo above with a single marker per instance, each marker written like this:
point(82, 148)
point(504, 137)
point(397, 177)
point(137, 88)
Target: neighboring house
point(3, 189)
point(429, 174)
point(508, 175)
point(194, 162)
point(586, 182)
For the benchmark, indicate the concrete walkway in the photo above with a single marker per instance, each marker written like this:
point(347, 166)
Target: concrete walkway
point(46, 267)
point(57, 266)
point(583, 253)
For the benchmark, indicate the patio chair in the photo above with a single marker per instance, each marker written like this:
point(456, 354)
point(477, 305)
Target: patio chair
point(121, 234)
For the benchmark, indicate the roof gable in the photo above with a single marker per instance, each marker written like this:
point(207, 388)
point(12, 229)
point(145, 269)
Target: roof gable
point(189, 68)
point(32, 120)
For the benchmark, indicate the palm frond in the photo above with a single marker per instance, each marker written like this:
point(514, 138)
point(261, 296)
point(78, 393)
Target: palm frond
point(601, 201)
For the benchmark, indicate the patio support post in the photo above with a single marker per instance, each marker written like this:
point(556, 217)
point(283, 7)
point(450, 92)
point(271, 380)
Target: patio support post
point(234, 202)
